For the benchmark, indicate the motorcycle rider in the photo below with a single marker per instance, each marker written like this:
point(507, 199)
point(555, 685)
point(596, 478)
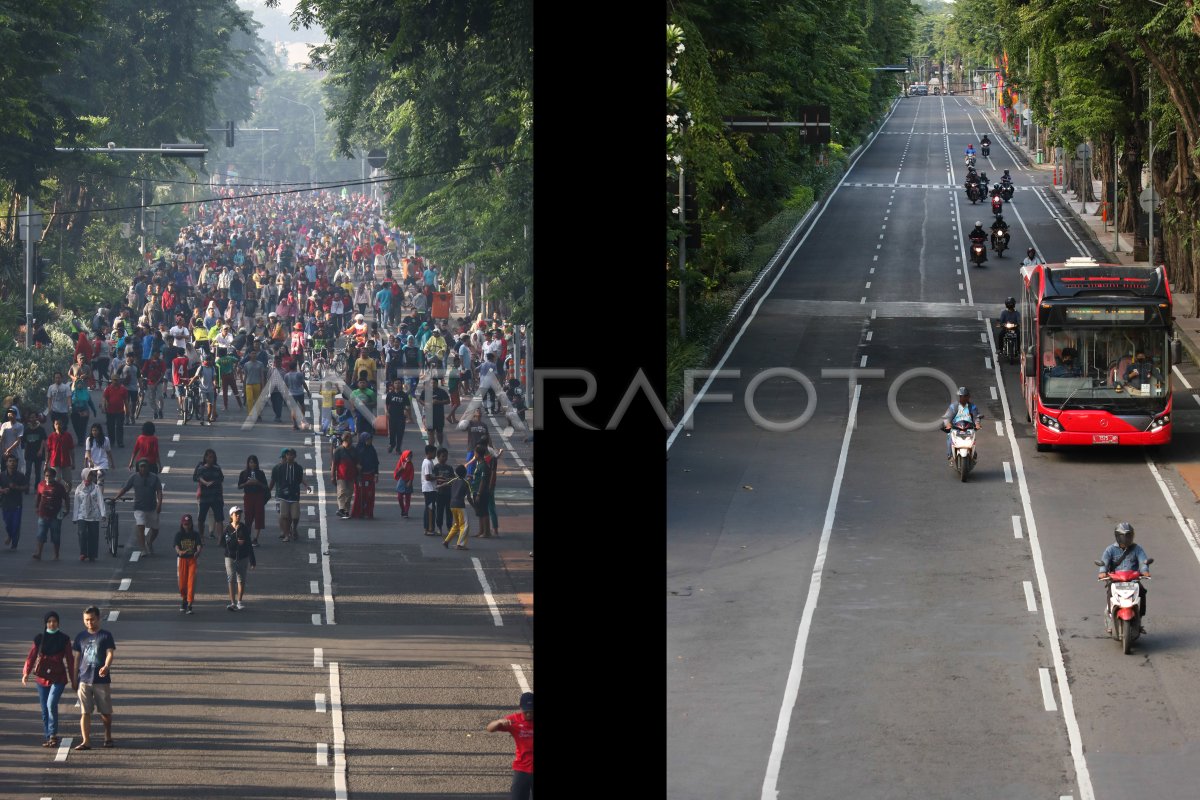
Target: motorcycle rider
point(962, 411)
point(1005, 179)
point(998, 225)
point(1010, 314)
point(985, 141)
point(970, 151)
point(1031, 258)
point(983, 179)
point(979, 236)
point(1124, 555)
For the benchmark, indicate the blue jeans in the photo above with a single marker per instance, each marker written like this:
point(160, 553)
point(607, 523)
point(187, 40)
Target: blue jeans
point(12, 524)
point(51, 527)
point(48, 699)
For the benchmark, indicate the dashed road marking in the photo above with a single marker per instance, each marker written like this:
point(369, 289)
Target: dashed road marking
point(1047, 689)
point(1030, 603)
point(319, 701)
point(322, 748)
point(487, 592)
point(125, 583)
point(1007, 472)
point(318, 657)
point(113, 616)
point(1017, 527)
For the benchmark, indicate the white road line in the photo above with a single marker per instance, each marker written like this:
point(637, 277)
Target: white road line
point(308, 440)
point(1166, 492)
point(319, 701)
point(134, 556)
point(520, 673)
point(125, 584)
point(999, 428)
point(316, 619)
point(872, 272)
point(113, 616)
point(312, 534)
point(170, 454)
point(987, 363)
point(1007, 472)
point(1196, 397)
point(983, 337)
point(754, 311)
point(885, 226)
point(862, 362)
point(1017, 527)
point(791, 691)
point(897, 179)
point(312, 558)
point(960, 287)
point(64, 749)
point(179, 422)
point(962, 251)
point(1175, 369)
point(322, 752)
point(874, 258)
point(869, 335)
point(312, 513)
point(868, 286)
point(318, 657)
point(313, 588)
point(308, 456)
point(1083, 777)
point(1030, 603)
point(993, 388)
point(339, 733)
point(873, 311)
point(175, 437)
point(164, 470)
point(881, 236)
point(862, 301)
point(1047, 689)
point(487, 592)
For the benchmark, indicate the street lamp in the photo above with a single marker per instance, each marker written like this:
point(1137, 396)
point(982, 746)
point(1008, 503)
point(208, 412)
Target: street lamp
point(314, 116)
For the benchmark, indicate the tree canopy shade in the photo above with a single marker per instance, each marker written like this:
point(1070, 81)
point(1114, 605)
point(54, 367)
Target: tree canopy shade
point(447, 91)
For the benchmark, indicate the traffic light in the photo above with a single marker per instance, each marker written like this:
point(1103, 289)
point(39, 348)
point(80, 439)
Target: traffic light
point(40, 267)
point(691, 213)
point(229, 134)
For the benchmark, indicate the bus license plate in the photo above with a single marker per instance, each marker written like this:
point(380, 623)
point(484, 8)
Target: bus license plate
point(1104, 438)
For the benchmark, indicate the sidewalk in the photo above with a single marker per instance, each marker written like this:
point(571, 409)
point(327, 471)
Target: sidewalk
point(1187, 324)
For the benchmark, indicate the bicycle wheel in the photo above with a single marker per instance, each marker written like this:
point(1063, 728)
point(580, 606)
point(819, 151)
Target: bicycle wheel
point(111, 534)
point(137, 407)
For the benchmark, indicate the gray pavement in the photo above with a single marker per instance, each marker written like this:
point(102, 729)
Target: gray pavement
point(243, 703)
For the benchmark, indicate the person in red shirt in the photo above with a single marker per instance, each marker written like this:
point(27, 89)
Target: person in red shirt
point(344, 472)
point(180, 374)
point(521, 727)
point(146, 447)
point(115, 397)
point(60, 451)
point(51, 499)
point(153, 371)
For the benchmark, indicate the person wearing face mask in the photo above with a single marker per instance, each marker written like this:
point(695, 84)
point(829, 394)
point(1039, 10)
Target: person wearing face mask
point(52, 665)
point(188, 545)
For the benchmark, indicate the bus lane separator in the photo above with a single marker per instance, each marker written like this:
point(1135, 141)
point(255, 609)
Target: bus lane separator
point(323, 526)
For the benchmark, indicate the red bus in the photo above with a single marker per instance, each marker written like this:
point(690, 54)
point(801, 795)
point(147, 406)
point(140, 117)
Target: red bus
point(1095, 353)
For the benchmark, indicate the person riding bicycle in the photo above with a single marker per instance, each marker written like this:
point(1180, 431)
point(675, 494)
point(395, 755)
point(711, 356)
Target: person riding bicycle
point(206, 377)
point(358, 330)
point(342, 420)
point(962, 411)
point(1124, 556)
point(979, 236)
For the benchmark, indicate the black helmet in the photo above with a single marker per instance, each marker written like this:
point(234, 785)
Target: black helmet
point(1010, 303)
point(1031, 252)
point(1005, 172)
point(1123, 533)
point(964, 392)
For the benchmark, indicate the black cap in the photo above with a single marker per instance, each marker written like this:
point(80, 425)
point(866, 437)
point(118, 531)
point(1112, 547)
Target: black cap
point(526, 702)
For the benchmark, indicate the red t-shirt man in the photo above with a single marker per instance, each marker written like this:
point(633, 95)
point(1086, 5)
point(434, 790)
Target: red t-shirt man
point(179, 370)
point(115, 396)
point(521, 727)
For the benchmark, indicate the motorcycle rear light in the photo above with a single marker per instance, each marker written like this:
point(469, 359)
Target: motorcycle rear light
point(1049, 422)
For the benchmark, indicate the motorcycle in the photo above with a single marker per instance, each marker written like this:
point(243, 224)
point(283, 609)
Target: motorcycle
point(516, 397)
point(962, 445)
point(1006, 191)
point(1000, 242)
point(978, 253)
point(973, 193)
point(969, 161)
point(985, 150)
point(997, 205)
point(1123, 612)
point(1008, 342)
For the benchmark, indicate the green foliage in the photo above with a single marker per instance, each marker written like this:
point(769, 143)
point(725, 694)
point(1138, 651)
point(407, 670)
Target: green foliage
point(27, 373)
point(802, 197)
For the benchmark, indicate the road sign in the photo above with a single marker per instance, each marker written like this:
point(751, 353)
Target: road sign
point(812, 124)
point(1148, 198)
point(1084, 151)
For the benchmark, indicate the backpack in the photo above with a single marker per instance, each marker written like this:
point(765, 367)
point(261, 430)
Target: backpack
point(80, 398)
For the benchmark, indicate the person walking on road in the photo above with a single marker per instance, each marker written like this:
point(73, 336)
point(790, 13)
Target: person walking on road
point(95, 647)
point(459, 495)
point(429, 489)
point(35, 447)
point(60, 452)
point(239, 552)
point(253, 483)
point(115, 398)
point(97, 452)
point(286, 479)
point(343, 471)
point(481, 489)
point(89, 513)
point(51, 508)
point(397, 404)
point(188, 545)
point(146, 447)
point(210, 492)
point(367, 459)
point(147, 504)
point(52, 665)
point(404, 474)
point(520, 725)
point(13, 485)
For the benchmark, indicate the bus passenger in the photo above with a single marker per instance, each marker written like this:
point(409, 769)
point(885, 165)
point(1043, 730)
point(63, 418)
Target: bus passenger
point(1067, 366)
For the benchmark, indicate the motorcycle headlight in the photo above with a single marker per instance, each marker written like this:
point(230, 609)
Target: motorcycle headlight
point(1050, 422)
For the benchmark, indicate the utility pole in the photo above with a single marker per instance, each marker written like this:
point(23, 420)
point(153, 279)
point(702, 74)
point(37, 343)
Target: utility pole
point(1150, 109)
point(682, 261)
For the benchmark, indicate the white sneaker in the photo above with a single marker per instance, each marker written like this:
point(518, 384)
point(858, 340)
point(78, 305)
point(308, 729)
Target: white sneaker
point(240, 605)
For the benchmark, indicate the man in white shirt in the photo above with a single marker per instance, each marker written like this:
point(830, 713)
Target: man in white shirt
point(58, 400)
point(180, 332)
point(429, 489)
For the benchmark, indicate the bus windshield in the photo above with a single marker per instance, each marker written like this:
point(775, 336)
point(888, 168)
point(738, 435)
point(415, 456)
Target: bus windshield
point(1108, 368)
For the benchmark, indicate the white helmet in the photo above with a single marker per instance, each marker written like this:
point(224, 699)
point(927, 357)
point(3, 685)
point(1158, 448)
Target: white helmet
point(358, 317)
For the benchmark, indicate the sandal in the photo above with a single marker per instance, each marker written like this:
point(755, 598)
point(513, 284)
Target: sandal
point(82, 747)
point(108, 742)
point(48, 743)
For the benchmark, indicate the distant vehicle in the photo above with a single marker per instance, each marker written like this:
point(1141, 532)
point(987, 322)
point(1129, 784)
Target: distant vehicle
point(918, 90)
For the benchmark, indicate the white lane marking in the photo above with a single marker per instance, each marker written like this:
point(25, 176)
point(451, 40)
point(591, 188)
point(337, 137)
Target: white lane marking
point(999, 428)
point(993, 388)
point(869, 335)
point(791, 691)
point(308, 456)
point(897, 178)
point(1007, 472)
point(878, 247)
point(1162, 485)
point(322, 750)
point(319, 701)
point(987, 363)
point(754, 311)
point(312, 513)
point(520, 673)
point(487, 592)
point(874, 258)
point(1175, 369)
point(1196, 397)
point(1047, 689)
point(318, 657)
point(868, 286)
point(1083, 777)
point(134, 556)
point(312, 558)
point(862, 362)
point(962, 251)
point(873, 310)
point(313, 588)
point(323, 526)
point(170, 454)
point(113, 616)
point(179, 422)
point(881, 236)
point(308, 471)
point(962, 301)
point(983, 337)
point(1017, 527)
point(1054, 215)
point(308, 440)
point(339, 733)
point(862, 301)
point(960, 287)
point(164, 470)
point(64, 749)
point(125, 583)
point(1030, 603)
point(175, 437)
point(316, 619)
point(872, 272)
point(885, 226)
point(312, 534)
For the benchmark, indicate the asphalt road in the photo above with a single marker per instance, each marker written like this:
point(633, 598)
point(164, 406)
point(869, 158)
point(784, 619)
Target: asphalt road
point(274, 701)
point(846, 619)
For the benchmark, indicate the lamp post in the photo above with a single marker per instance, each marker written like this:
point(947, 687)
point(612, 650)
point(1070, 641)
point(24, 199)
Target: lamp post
point(314, 116)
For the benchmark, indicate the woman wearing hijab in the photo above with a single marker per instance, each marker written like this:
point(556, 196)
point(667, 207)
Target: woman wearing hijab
point(404, 474)
point(364, 484)
point(52, 665)
point(253, 483)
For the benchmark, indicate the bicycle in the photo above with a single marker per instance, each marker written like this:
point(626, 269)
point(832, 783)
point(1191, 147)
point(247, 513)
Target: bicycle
point(112, 524)
point(141, 398)
point(191, 403)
